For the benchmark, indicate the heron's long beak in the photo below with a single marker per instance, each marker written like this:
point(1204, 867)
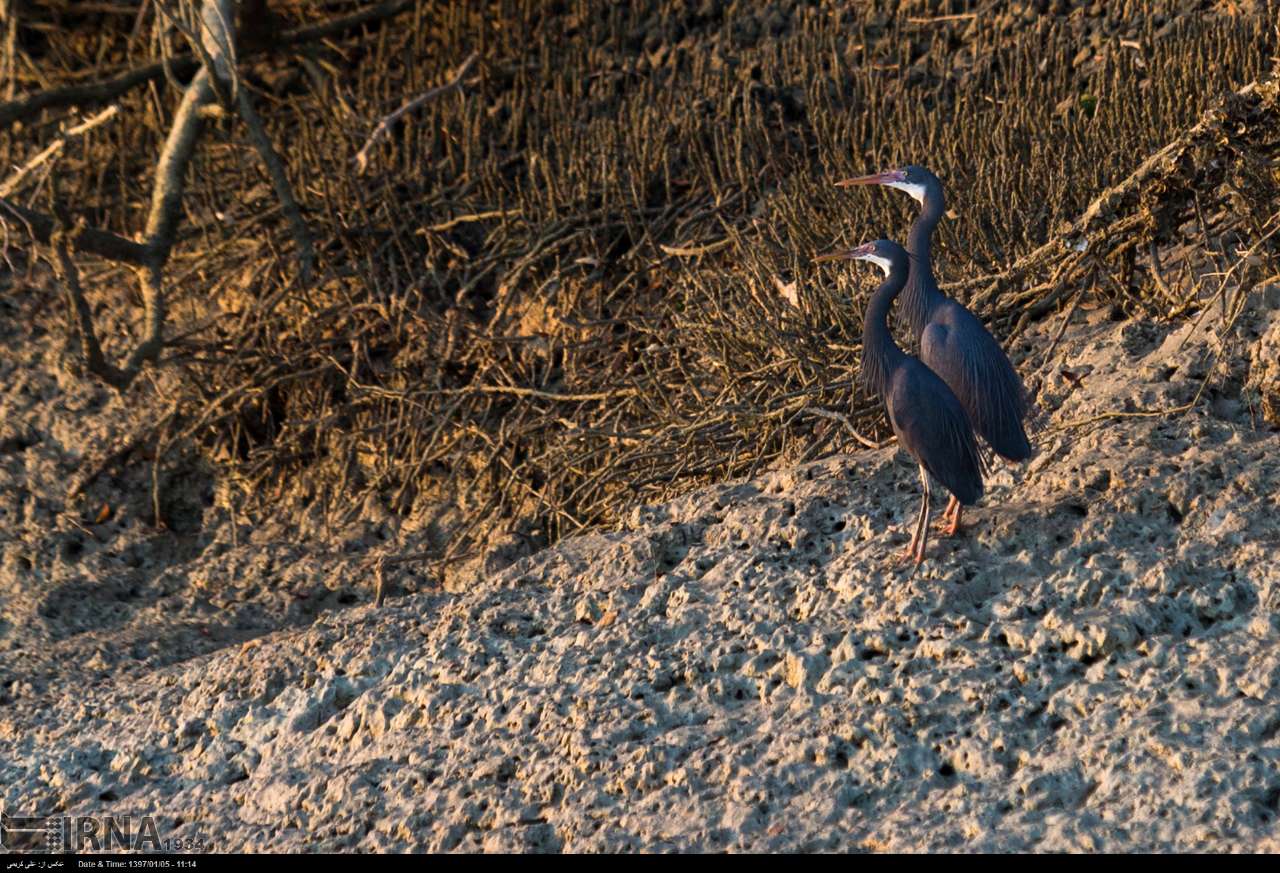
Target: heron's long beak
point(845, 254)
point(874, 179)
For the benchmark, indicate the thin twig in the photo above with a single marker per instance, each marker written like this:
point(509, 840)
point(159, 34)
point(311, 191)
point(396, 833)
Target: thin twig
point(1062, 329)
point(940, 19)
point(81, 316)
point(541, 395)
point(162, 445)
point(379, 581)
point(384, 126)
point(695, 251)
point(15, 179)
point(848, 425)
point(476, 216)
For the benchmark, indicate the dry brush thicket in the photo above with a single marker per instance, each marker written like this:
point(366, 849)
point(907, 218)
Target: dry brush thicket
point(554, 288)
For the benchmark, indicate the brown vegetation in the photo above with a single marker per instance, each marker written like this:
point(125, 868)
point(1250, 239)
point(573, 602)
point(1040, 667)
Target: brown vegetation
point(553, 290)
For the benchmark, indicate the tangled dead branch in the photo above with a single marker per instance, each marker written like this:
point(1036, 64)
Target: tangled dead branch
point(184, 66)
point(215, 43)
point(1142, 211)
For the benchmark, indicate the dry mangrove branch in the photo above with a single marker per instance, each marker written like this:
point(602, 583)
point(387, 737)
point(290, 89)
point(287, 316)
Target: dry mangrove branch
point(162, 222)
point(79, 314)
point(41, 227)
point(279, 181)
point(215, 81)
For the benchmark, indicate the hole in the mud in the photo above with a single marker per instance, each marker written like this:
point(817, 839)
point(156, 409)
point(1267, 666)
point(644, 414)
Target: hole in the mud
point(1090, 659)
point(946, 771)
point(108, 795)
point(838, 526)
point(72, 549)
point(19, 443)
point(868, 654)
point(1002, 640)
point(1077, 509)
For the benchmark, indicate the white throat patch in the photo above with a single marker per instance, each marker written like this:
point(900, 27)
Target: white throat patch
point(882, 263)
point(916, 191)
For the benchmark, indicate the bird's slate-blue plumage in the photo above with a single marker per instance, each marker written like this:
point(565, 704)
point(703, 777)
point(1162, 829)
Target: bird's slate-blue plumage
point(955, 344)
point(929, 421)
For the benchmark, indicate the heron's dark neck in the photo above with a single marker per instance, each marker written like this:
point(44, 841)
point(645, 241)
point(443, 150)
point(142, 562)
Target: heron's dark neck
point(880, 354)
point(922, 295)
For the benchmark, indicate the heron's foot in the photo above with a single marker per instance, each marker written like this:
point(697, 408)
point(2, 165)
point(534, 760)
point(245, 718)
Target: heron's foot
point(908, 556)
point(911, 556)
point(948, 528)
point(949, 524)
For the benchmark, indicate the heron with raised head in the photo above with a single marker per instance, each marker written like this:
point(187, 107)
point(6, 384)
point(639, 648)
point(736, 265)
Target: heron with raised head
point(929, 421)
point(953, 341)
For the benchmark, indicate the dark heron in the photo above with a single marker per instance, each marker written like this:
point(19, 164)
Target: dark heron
point(953, 342)
point(928, 419)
